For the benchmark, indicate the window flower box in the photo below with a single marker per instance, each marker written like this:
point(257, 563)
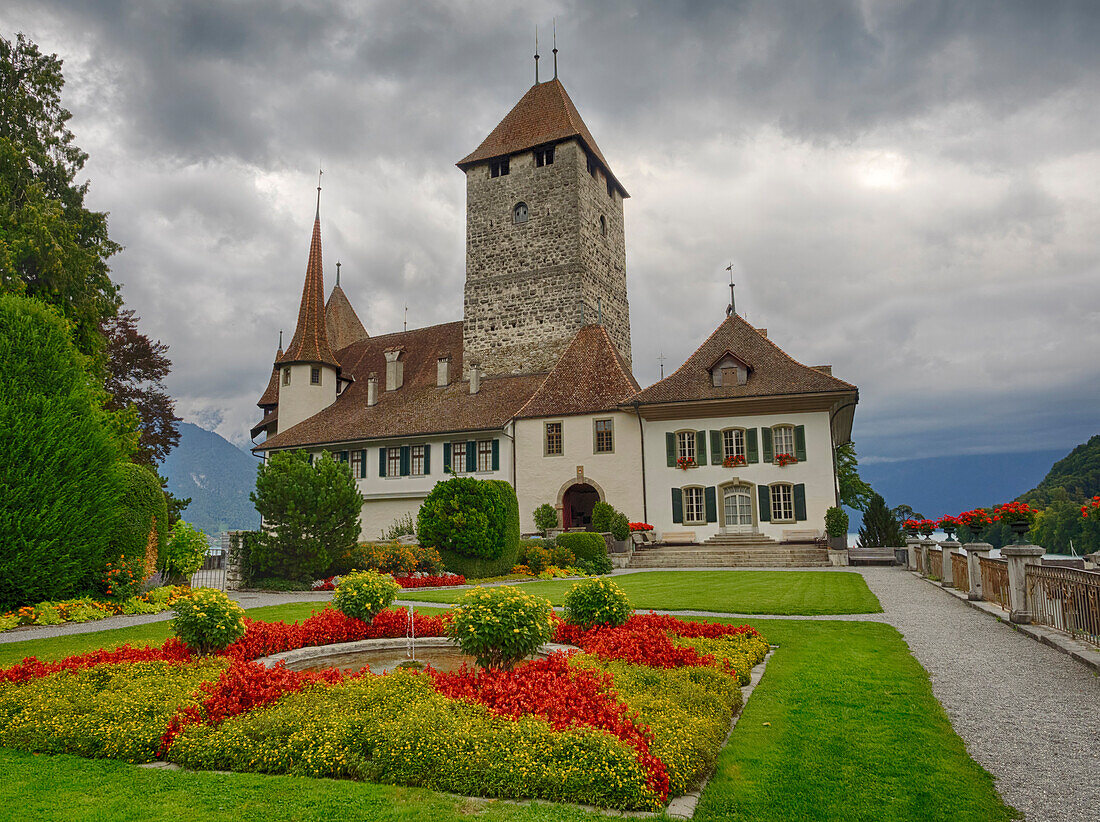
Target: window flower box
point(684, 463)
point(732, 462)
point(783, 460)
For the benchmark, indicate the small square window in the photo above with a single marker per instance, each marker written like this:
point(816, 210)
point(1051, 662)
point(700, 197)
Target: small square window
point(544, 157)
point(553, 439)
point(314, 376)
point(591, 164)
point(610, 189)
point(605, 437)
point(498, 168)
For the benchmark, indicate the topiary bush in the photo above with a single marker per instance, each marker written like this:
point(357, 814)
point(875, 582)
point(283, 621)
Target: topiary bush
point(187, 547)
point(207, 620)
point(589, 549)
point(602, 513)
point(500, 626)
point(142, 527)
point(364, 594)
point(620, 526)
point(474, 524)
point(597, 602)
point(836, 522)
point(546, 517)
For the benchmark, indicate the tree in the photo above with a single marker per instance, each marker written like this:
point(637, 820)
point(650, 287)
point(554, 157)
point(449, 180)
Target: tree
point(1078, 473)
point(51, 246)
point(136, 368)
point(310, 513)
point(904, 512)
point(880, 526)
point(58, 486)
point(546, 517)
point(854, 492)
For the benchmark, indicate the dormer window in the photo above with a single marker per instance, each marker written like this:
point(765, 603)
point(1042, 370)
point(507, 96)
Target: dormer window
point(498, 168)
point(544, 157)
point(519, 212)
point(729, 371)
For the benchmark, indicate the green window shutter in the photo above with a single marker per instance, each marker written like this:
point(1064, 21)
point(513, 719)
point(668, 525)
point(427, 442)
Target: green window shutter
point(471, 456)
point(752, 453)
point(344, 455)
point(447, 457)
point(427, 459)
point(670, 449)
point(406, 460)
point(764, 497)
point(711, 499)
point(800, 502)
point(716, 456)
point(766, 436)
point(362, 464)
point(701, 447)
point(381, 462)
point(800, 443)
point(496, 455)
point(677, 505)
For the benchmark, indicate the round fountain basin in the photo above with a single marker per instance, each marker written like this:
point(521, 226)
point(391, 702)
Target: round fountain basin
point(384, 655)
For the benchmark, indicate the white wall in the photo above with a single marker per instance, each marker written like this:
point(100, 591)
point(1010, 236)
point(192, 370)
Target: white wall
point(816, 472)
point(301, 400)
point(616, 475)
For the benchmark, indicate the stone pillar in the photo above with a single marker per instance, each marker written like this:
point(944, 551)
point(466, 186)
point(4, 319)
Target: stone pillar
point(912, 545)
point(1019, 557)
point(949, 547)
point(974, 552)
point(925, 544)
point(233, 576)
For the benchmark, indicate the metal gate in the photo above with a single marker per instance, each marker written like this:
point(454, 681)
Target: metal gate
point(212, 572)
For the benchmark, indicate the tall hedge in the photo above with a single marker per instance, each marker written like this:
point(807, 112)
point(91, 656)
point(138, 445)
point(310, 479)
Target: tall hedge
point(142, 507)
point(58, 485)
point(474, 524)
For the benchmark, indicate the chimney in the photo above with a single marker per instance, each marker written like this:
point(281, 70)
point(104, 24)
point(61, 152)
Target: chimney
point(824, 369)
point(475, 377)
point(443, 371)
point(372, 389)
point(395, 368)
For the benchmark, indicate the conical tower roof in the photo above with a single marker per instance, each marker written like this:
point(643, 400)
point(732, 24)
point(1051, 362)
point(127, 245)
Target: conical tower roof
point(341, 321)
point(270, 397)
point(310, 341)
point(545, 114)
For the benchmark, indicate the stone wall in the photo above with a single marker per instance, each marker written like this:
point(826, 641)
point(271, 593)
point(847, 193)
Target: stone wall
point(530, 286)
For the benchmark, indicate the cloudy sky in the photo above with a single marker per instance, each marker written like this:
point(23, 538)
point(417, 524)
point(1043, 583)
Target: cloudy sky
point(907, 191)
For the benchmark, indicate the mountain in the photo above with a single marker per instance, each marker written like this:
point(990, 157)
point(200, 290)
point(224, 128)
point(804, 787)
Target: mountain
point(217, 476)
point(1078, 473)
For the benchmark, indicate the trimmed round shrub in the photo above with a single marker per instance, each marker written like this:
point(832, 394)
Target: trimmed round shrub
point(364, 594)
point(589, 549)
point(187, 547)
point(207, 620)
point(836, 522)
point(596, 602)
point(620, 526)
point(602, 513)
point(473, 523)
point(143, 519)
point(500, 626)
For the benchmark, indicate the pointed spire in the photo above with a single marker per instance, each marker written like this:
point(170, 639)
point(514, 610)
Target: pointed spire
point(536, 54)
point(555, 48)
point(317, 216)
point(310, 341)
point(338, 264)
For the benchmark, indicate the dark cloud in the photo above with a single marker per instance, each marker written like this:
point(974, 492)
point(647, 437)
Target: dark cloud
point(907, 190)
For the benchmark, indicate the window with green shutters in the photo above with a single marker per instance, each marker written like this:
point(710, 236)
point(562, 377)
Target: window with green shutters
point(766, 444)
point(752, 451)
point(694, 505)
point(358, 461)
point(800, 443)
point(677, 505)
point(764, 500)
point(711, 497)
point(783, 440)
point(471, 456)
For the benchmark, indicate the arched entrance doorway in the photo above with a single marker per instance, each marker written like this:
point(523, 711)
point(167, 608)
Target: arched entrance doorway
point(576, 505)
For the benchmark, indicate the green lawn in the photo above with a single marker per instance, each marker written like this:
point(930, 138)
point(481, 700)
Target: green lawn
point(807, 593)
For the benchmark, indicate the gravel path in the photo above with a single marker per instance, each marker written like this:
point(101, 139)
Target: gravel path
point(1027, 713)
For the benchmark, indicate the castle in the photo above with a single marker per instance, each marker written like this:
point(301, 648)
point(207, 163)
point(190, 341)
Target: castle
point(534, 384)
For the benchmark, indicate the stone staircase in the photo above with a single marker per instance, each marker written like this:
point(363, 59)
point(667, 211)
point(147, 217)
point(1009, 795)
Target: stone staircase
point(733, 551)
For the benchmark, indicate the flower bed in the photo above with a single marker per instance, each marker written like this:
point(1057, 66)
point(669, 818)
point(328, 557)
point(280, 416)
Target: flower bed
point(87, 609)
point(417, 580)
point(640, 714)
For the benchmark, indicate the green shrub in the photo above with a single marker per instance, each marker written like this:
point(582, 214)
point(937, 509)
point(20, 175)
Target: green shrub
point(562, 557)
point(387, 558)
point(602, 513)
point(142, 508)
point(741, 652)
point(187, 547)
point(500, 626)
point(58, 486)
point(310, 513)
point(207, 620)
point(589, 549)
point(8, 622)
point(113, 711)
point(546, 517)
point(402, 526)
point(620, 526)
point(280, 584)
point(836, 522)
point(161, 596)
point(46, 613)
point(474, 524)
point(362, 595)
point(397, 729)
point(137, 605)
point(596, 602)
point(535, 554)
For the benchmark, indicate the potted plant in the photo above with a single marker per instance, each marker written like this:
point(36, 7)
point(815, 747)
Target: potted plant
point(683, 463)
point(731, 462)
point(949, 525)
point(976, 521)
point(1018, 516)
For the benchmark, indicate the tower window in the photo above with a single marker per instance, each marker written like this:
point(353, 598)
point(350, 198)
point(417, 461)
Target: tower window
point(315, 376)
point(603, 225)
point(591, 164)
point(610, 189)
point(544, 157)
point(286, 376)
point(519, 213)
point(498, 168)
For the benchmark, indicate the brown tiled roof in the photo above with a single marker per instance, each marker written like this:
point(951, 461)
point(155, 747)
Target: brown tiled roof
point(773, 371)
point(341, 321)
point(419, 406)
point(545, 114)
point(310, 342)
point(271, 417)
point(270, 397)
point(590, 376)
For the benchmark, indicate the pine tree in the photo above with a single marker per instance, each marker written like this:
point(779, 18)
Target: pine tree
point(880, 529)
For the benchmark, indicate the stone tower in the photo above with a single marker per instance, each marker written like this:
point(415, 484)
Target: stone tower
point(545, 247)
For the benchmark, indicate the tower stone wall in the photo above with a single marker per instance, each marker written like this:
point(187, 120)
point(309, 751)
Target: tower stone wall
point(531, 285)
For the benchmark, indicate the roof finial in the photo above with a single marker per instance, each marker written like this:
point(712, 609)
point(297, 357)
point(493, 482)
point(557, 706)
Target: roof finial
point(555, 48)
point(732, 308)
point(661, 360)
point(536, 54)
point(317, 216)
point(280, 339)
point(338, 264)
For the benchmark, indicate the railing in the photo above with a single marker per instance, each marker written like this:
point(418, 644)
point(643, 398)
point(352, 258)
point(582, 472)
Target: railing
point(920, 560)
point(960, 573)
point(1066, 599)
point(935, 563)
point(995, 581)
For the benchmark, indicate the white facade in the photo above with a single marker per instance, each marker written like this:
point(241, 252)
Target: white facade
point(814, 475)
point(304, 390)
point(547, 477)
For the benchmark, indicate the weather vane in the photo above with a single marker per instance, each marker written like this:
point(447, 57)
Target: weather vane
point(661, 360)
point(731, 309)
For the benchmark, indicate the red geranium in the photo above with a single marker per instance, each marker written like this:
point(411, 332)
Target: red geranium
point(976, 520)
point(785, 459)
point(1092, 506)
point(640, 526)
point(1014, 512)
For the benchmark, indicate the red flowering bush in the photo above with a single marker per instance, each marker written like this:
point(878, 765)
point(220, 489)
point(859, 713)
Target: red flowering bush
point(31, 668)
point(685, 462)
point(1014, 512)
point(785, 459)
point(948, 524)
point(737, 459)
point(1091, 507)
point(640, 526)
point(976, 521)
